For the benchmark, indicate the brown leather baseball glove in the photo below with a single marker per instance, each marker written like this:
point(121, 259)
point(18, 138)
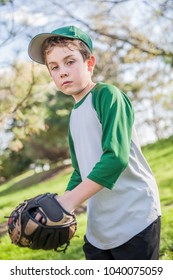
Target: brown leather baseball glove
point(55, 228)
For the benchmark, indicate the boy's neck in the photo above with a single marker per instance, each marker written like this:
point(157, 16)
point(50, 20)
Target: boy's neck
point(85, 91)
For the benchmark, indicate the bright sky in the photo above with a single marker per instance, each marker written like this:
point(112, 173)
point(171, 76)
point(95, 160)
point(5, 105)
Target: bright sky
point(31, 17)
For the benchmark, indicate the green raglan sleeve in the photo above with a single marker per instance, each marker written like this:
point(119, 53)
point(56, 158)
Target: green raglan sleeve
point(76, 177)
point(116, 116)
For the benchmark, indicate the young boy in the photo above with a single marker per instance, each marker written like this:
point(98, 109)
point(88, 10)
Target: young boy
point(110, 171)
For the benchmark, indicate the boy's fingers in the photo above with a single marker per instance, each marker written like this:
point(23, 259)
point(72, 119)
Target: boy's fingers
point(40, 218)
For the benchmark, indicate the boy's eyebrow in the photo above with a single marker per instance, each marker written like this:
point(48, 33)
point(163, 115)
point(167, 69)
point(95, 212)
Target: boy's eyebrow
point(65, 58)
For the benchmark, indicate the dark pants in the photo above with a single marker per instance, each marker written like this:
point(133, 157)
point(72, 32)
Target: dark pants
point(143, 246)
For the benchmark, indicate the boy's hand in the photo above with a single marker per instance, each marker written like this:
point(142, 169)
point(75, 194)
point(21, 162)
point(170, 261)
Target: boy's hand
point(66, 202)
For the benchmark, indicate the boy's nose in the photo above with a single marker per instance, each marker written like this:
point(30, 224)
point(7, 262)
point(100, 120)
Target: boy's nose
point(64, 73)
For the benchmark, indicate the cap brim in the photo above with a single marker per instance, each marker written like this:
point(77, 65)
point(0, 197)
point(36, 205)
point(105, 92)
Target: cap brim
point(36, 44)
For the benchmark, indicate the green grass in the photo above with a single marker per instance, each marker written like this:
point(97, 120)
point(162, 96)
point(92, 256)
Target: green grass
point(160, 157)
point(23, 187)
point(9, 251)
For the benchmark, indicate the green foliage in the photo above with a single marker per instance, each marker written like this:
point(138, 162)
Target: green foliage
point(52, 144)
point(14, 163)
point(4, 2)
point(160, 157)
point(37, 117)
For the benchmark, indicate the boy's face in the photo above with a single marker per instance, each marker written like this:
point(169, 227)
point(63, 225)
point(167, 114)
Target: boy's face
point(71, 74)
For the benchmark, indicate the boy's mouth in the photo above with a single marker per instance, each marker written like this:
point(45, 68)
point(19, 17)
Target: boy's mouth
point(66, 83)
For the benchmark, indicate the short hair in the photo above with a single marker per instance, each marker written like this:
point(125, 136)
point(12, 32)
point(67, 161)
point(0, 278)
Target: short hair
point(54, 41)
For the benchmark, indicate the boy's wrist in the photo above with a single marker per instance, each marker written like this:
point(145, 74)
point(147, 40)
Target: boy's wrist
point(70, 200)
point(65, 202)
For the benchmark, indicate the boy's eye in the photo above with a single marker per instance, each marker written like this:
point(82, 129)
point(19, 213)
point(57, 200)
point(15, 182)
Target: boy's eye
point(70, 62)
point(54, 68)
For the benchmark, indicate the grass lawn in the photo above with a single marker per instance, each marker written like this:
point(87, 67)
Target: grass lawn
point(160, 157)
point(22, 187)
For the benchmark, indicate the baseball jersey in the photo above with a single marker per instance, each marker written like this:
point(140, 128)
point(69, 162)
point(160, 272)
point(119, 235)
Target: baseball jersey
point(104, 148)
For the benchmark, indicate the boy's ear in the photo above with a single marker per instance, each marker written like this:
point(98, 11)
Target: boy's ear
point(91, 63)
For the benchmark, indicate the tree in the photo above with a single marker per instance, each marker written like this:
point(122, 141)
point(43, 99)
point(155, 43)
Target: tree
point(134, 52)
point(138, 59)
point(37, 118)
point(52, 144)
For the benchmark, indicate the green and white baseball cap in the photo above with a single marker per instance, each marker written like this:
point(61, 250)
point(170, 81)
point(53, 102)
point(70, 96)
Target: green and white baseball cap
point(72, 32)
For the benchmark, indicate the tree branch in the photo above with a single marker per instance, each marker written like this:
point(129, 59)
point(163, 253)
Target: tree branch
point(28, 93)
point(133, 41)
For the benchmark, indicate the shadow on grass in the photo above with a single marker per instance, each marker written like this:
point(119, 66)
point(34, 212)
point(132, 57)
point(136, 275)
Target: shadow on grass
point(31, 180)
